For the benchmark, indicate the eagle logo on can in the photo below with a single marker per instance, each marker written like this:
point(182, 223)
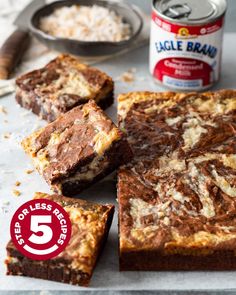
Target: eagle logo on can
point(183, 32)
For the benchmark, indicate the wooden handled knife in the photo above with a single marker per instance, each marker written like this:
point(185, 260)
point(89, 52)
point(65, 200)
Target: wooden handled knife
point(16, 44)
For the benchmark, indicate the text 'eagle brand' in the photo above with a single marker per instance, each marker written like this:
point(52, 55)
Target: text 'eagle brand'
point(186, 43)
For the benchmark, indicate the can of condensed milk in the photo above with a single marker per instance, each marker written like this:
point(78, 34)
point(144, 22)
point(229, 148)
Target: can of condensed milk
point(186, 43)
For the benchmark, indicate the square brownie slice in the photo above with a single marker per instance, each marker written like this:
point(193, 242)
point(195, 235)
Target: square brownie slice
point(61, 85)
point(79, 148)
point(90, 227)
point(177, 197)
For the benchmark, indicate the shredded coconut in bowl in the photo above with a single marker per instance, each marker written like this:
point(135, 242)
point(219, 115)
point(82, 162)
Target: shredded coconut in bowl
point(86, 23)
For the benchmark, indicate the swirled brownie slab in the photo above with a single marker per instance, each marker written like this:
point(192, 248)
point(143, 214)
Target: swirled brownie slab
point(79, 148)
point(74, 265)
point(177, 197)
point(61, 85)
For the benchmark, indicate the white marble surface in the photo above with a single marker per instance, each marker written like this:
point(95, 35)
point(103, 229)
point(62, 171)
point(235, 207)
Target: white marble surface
point(14, 163)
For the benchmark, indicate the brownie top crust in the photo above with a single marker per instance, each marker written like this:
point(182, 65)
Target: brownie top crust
point(89, 225)
point(179, 191)
point(74, 139)
point(65, 82)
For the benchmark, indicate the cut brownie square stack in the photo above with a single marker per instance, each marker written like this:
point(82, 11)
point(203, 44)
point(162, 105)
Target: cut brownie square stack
point(90, 226)
point(79, 148)
point(61, 85)
point(177, 197)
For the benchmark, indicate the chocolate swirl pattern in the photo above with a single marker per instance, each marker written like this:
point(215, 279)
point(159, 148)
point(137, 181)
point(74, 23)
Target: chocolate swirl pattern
point(178, 194)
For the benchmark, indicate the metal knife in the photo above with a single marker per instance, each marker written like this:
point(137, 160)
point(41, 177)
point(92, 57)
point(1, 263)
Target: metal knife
point(16, 44)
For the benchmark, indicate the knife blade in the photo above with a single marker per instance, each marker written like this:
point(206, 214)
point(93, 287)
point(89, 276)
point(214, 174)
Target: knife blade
point(16, 44)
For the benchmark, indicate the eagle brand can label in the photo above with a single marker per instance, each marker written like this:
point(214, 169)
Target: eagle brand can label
point(185, 56)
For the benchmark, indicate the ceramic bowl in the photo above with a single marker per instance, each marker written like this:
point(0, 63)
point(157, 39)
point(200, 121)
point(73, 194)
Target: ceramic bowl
point(83, 48)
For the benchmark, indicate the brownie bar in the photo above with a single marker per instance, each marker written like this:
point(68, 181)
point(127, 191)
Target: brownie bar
point(177, 205)
point(61, 85)
point(69, 266)
point(78, 149)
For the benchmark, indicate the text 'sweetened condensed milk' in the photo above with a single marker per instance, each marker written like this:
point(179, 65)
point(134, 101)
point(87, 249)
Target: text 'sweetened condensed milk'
point(186, 42)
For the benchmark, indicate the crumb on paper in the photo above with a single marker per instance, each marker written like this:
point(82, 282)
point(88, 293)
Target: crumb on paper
point(4, 208)
point(16, 192)
point(29, 171)
point(26, 113)
point(5, 121)
point(6, 203)
point(7, 135)
point(141, 78)
point(7, 172)
point(128, 76)
point(17, 183)
point(3, 110)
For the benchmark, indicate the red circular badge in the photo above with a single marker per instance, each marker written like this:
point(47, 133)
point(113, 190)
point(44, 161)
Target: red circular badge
point(40, 229)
